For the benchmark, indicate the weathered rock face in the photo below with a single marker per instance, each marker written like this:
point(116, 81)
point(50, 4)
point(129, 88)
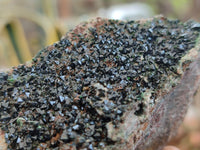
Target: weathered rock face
point(107, 84)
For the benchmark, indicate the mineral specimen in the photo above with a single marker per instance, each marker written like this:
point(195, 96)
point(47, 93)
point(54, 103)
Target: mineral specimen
point(102, 77)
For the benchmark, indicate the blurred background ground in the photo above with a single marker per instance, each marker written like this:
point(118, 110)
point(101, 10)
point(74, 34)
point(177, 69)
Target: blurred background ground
point(28, 26)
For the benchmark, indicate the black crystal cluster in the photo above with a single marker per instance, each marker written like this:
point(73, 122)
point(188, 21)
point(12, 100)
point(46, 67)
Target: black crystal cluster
point(88, 79)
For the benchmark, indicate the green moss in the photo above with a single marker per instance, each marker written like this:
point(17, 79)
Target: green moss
point(197, 41)
point(20, 121)
point(11, 80)
point(39, 127)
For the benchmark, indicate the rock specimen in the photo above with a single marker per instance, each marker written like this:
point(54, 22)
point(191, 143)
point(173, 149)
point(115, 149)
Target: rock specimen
point(108, 84)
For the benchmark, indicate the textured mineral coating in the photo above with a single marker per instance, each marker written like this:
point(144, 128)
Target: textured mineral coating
point(107, 84)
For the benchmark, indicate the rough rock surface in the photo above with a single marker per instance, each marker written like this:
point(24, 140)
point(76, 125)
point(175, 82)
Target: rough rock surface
point(107, 84)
